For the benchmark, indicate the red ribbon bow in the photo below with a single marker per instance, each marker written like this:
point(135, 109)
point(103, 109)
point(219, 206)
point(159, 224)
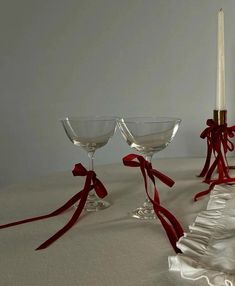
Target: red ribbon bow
point(218, 144)
point(91, 183)
point(171, 225)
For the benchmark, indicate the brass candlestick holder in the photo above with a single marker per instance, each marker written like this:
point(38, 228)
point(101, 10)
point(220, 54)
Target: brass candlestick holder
point(220, 116)
point(217, 135)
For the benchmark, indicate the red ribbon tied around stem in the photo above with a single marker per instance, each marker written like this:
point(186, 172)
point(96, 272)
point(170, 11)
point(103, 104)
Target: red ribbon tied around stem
point(91, 182)
point(169, 222)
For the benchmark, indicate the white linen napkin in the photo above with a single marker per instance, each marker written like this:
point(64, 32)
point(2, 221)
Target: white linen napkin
point(208, 249)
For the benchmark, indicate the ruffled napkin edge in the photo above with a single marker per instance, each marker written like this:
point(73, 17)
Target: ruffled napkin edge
point(194, 243)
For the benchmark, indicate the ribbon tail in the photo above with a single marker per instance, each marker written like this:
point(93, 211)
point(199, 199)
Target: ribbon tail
point(212, 185)
point(156, 197)
point(73, 219)
point(145, 179)
point(211, 170)
point(169, 232)
point(203, 193)
point(224, 165)
point(67, 227)
point(208, 160)
point(58, 211)
point(163, 178)
point(172, 219)
point(174, 230)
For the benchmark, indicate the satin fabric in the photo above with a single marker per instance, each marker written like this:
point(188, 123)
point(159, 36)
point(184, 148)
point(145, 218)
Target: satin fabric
point(208, 248)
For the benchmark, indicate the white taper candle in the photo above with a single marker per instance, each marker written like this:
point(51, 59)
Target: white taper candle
point(220, 95)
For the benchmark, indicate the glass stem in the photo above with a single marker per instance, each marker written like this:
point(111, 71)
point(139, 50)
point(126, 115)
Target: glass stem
point(91, 160)
point(92, 195)
point(147, 203)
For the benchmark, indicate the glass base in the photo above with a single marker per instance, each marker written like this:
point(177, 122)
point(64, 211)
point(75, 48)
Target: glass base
point(143, 213)
point(94, 203)
point(97, 205)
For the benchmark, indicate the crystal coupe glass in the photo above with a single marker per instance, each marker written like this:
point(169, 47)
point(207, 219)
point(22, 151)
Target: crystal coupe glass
point(90, 133)
point(148, 135)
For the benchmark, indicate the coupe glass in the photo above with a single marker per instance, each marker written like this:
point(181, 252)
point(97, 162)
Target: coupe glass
point(148, 135)
point(90, 133)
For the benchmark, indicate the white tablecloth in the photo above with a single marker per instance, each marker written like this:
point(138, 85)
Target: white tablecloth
point(106, 248)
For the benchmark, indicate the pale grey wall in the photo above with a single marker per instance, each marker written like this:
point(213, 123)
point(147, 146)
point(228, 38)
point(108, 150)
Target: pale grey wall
point(102, 57)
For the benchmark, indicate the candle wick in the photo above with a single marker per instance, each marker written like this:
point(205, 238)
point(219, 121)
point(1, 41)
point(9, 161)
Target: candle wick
point(221, 9)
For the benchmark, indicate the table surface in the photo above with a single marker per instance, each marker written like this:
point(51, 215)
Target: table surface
point(105, 248)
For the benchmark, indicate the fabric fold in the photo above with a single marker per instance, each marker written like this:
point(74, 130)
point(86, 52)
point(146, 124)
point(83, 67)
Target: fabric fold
point(208, 249)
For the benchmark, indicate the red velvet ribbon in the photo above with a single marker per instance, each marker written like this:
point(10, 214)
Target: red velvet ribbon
point(91, 183)
point(169, 222)
point(212, 185)
point(218, 144)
